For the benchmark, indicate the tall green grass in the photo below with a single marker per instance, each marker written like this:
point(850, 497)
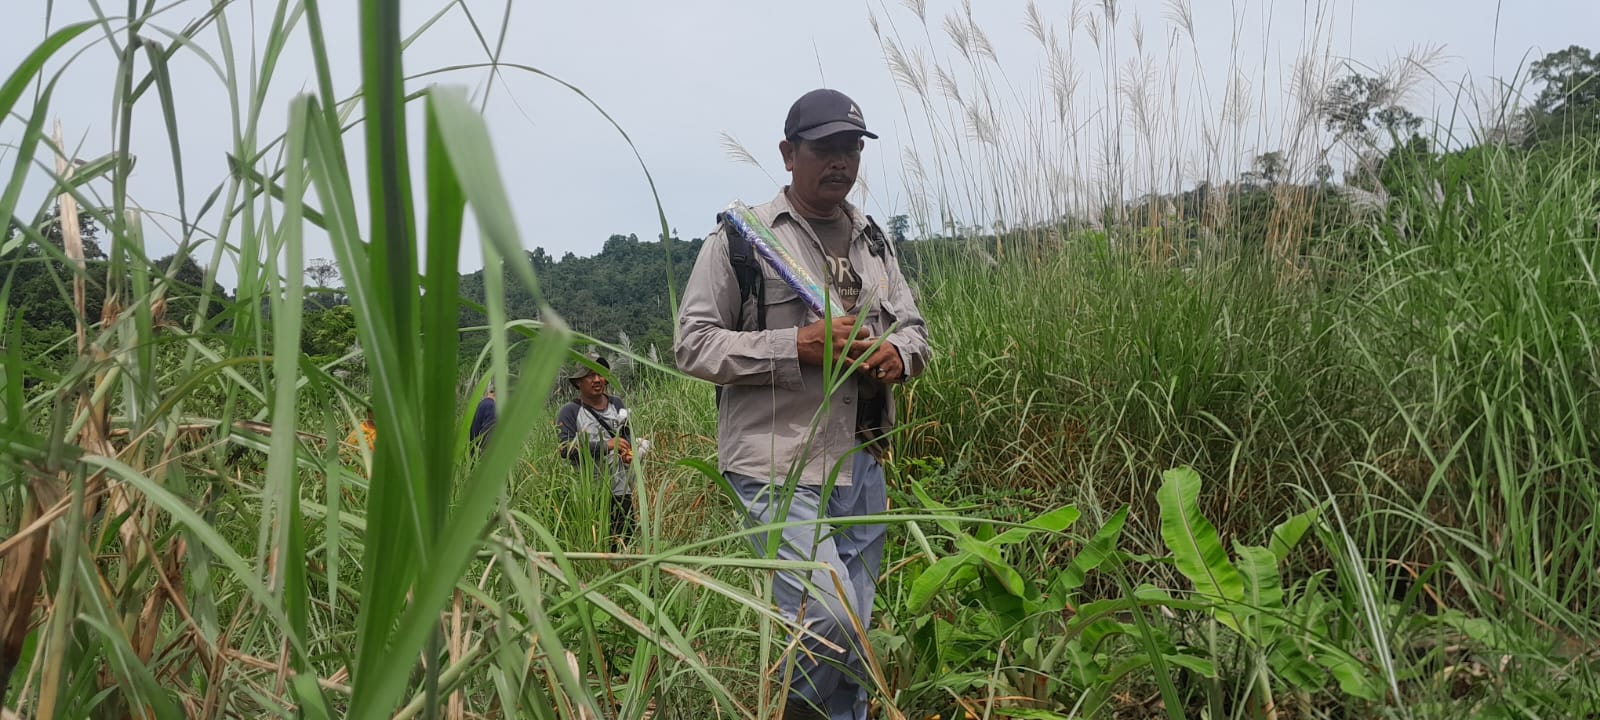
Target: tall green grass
point(1423, 372)
point(1475, 324)
point(185, 536)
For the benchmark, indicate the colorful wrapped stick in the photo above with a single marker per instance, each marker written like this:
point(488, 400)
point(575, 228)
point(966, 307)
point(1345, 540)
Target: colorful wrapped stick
point(743, 220)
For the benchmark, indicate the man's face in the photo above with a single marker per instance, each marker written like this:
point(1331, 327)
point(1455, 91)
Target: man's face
point(592, 384)
point(823, 170)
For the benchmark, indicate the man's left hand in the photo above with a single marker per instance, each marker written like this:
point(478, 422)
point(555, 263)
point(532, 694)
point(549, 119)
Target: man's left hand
point(884, 365)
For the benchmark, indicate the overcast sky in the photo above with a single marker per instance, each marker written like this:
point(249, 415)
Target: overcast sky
point(676, 75)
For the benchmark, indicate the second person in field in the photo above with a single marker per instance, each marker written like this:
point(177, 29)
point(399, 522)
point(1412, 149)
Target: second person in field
point(593, 431)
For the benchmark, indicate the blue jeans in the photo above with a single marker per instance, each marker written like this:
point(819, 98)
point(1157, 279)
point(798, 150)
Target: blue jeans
point(827, 681)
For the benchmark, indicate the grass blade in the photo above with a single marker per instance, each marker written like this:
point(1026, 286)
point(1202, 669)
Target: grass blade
point(288, 308)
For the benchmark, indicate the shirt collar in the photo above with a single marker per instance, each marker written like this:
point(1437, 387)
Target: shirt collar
point(780, 207)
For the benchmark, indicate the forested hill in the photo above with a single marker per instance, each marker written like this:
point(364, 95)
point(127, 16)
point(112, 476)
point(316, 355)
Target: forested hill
point(617, 295)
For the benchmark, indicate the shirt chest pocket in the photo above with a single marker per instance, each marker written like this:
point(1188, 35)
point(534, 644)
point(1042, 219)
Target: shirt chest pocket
point(782, 305)
point(875, 296)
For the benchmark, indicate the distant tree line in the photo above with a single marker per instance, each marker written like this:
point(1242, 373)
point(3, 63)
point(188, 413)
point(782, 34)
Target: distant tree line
point(618, 295)
point(36, 283)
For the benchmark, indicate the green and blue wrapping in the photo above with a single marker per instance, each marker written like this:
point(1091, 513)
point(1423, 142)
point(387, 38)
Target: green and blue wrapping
point(743, 220)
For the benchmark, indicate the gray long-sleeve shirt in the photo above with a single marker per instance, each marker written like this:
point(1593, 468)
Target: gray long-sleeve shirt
point(769, 399)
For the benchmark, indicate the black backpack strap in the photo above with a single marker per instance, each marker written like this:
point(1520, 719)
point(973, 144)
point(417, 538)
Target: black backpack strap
point(747, 270)
point(601, 421)
point(877, 243)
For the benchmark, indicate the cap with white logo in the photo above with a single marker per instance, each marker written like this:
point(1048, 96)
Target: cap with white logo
point(820, 113)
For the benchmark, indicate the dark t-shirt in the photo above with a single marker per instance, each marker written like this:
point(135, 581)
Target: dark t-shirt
point(835, 236)
point(483, 421)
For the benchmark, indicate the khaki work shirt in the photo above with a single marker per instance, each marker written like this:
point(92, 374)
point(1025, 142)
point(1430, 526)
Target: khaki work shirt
point(769, 400)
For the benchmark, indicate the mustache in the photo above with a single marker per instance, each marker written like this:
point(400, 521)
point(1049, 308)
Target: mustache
point(836, 178)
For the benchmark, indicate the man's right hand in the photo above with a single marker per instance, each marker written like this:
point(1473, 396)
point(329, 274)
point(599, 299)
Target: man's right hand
point(811, 340)
point(619, 444)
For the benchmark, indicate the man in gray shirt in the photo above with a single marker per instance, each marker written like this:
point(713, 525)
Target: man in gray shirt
point(779, 431)
point(593, 433)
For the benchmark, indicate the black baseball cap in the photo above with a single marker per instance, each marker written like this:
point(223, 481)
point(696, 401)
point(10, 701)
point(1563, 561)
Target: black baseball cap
point(820, 113)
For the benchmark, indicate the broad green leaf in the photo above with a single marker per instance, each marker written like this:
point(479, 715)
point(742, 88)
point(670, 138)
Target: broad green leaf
point(1091, 555)
point(1009, 578)
point(1263, 590)
point(977, 549)
point(931, 580)
point(1288, 533)
point(1353, 678)
point(963, 575)
point(1029, 714)
point(1053, 521)
point(1098, 631)
point(1085, 664)
point(1289, 661)
point(927, 501)
point(1482, 630)
point(1204, 667)
point(1263, 586)
point(1196, 549)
